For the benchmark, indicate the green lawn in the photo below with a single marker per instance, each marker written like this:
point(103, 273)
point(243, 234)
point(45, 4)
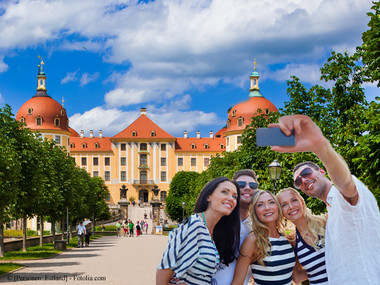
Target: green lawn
point(7, 267)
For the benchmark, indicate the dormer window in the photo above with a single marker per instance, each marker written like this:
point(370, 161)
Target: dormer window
point(152, 133)
point(97, 145)
point(233, 113)
point(222, 146)
point(30, 111)
point(267, 111)
point(240, 122)
point(207, 146)
point(134, 134)
point(84, 145)
point(57, 122)
point(72, 145)
point(39, 121)
point(193, 146)
point(63, 112)
point(22, 120)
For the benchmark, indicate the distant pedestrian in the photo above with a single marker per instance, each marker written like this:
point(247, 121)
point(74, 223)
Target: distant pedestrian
point(81, 231)
point(142, 226)
point(118, 228)
point(103, 228)
point(145, 215)
point(126, 225)
point(138, 229)
point(87, 235)
point(131, 225)
point(146, 227)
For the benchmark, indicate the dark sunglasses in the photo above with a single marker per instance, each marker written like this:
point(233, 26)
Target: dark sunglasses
point(304, 174)
point(252, 185)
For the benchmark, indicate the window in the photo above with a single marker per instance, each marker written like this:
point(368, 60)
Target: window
point(180, 161)
point(39, 121)
point(123, 176)
point(95, 173)
point(228, 141)
point(108, 198)
point(240, 122)
point(222, 146)
point(106, 161)
point(22, 120)
point(123, 146)
point(57, 139)
point(143, 177)
point(193, 161)
point(84, 160)
point(57, 122)
point(193, 146)
point(163, 175)
point(228, 124)
point(72, 145)
point(134, 134)
point(163, 161)
point(63, 112)
point(163, 195)
point(233, 113)
point(30, 111)
point(123, 161)
point(267, 111)
point(163, 146)
point(152, 133)
point(95, 161)
point(207, 146)
point(207, 161)
point(239, 139)
point(84, 145)
point(97, 145)
point(143, 146)
point(143, 159)
point(107, 176)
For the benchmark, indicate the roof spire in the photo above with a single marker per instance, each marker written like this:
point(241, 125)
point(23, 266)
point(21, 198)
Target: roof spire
point(63, 101)
point(41, 80)
point(254, 91)
point(254, 64)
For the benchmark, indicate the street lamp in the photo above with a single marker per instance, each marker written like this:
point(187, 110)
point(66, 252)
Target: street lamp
point(155, 192)
point(274, 173)
point(183, 211)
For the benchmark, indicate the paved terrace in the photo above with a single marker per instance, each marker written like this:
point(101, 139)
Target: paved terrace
point(108, 260)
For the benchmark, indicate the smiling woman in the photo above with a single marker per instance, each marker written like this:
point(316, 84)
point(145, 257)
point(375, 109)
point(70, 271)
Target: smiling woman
point(209, 237)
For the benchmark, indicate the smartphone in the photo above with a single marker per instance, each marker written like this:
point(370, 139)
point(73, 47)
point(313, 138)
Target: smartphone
point(273, 137)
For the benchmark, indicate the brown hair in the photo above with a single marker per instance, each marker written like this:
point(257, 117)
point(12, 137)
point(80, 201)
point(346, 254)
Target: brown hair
point(247, 172)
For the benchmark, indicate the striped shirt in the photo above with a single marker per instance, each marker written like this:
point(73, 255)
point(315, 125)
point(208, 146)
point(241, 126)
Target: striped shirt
point(279, 264)
point(313, 261)
point(191, 253)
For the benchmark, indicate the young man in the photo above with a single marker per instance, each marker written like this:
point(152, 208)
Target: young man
point(81, 231)
point(353, 224)
point(247, 181)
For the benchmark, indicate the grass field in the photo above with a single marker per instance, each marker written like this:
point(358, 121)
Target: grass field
point(7, 267)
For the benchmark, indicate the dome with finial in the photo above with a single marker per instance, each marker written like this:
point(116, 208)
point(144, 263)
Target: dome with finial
point(42, 112)
point(239, 116)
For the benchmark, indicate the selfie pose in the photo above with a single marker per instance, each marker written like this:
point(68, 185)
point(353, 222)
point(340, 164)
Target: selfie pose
point(266, 250)
point(210, 236)
point(309, 238)
point(352, 238)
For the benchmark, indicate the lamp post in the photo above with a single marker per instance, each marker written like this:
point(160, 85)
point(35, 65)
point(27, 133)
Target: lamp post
point(274, 173)
point(183, 211)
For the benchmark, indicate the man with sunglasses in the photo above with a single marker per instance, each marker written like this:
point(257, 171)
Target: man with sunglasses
point(353, 225)
point(247, 181)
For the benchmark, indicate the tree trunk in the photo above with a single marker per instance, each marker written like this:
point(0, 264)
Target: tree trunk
point(41, 230)
point(24, 233)
point(53, 228)
point(1, 237)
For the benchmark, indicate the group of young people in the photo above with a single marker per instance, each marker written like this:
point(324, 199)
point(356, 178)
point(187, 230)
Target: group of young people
point(127, 228)
point(237, 232)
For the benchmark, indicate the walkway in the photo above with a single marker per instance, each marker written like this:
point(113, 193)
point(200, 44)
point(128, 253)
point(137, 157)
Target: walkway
point(108, 260)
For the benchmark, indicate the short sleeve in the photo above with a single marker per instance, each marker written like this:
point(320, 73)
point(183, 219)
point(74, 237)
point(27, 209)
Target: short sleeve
point(182, 250)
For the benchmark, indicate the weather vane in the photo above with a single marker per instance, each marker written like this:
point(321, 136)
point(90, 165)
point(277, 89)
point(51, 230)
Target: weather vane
point(63, 101)
point(40, 67)
point(254, 64)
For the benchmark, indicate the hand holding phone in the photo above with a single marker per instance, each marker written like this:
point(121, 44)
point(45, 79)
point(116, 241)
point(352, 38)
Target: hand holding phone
point(273, 137)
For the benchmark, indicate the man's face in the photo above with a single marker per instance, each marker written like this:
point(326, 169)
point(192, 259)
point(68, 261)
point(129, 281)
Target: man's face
point(312, 182)
point(246, 193)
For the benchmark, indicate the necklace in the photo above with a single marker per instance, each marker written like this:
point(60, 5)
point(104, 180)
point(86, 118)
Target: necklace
point(216, 251)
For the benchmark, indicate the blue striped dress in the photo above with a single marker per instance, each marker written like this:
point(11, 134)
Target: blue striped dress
point(191, 253)
point(313, 261)
point(279, 264)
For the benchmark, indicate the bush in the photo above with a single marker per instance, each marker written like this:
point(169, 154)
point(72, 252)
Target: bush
point(108, 228)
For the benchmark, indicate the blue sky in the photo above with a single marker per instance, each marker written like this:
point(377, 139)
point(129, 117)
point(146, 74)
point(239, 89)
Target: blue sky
point(187, 62)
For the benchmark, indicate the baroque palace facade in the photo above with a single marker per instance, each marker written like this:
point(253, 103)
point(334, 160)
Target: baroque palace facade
point(142, 155)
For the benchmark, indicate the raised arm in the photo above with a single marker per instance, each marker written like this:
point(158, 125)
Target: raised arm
point(246, 253)
point(309, 137)
point(163, 276)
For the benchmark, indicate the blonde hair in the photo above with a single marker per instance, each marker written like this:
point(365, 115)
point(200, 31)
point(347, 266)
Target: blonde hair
point(261, 230)
point(315, 223)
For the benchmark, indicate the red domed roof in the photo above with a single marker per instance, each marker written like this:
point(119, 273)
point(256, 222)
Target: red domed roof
point(42, 112)
point(246, 111)
point(73, 132)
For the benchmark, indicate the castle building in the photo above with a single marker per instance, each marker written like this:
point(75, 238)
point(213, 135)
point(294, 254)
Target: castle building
point(142, 155)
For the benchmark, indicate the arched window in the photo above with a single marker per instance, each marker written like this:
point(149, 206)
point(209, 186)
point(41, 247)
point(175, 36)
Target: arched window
point(207, 146)
point(240, 122)
point(22, 120)
point(222, 146)
point(143, 146)
point(72, 145)
point(193, 146)
point(152, 133)
point(267, 111)
point(62, 112)
point(233, 113)
point(57, 122)
point(84, 145)
point(97, 145)
point(30, 111)
point(39, 121)
point(228, 124)
point(134, 134)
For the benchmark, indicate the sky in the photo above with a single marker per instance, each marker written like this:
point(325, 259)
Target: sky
point(187, 62)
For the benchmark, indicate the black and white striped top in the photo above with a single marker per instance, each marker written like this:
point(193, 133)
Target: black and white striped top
point(191, 253)
point(279, 264)
point(313, 261)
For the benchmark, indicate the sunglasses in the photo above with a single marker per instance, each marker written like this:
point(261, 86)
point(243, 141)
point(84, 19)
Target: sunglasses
point(252, 185)
point(304, 174)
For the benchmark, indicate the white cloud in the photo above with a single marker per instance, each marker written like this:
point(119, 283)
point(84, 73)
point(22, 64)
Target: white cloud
point(87, 78)
point(308, 72)
point(2, 101)
point(70, 76)
point(3, 65)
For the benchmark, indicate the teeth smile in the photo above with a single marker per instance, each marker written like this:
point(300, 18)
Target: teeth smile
point(269, 214)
